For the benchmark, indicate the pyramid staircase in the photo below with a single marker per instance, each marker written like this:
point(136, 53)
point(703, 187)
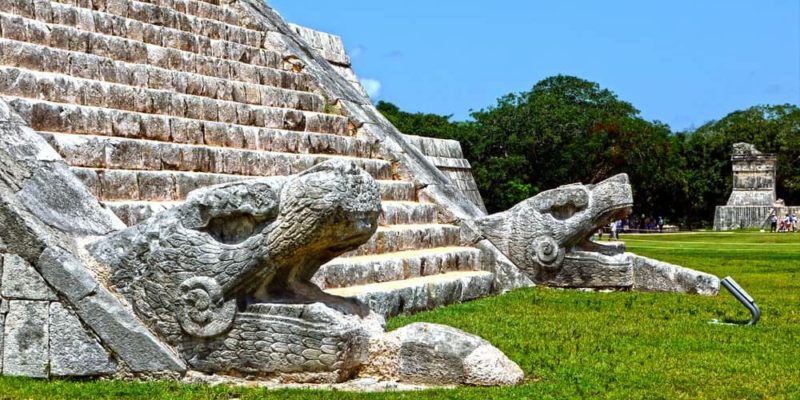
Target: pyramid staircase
point(148, 100)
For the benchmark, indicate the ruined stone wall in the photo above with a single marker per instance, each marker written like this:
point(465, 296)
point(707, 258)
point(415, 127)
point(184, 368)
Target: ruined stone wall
point(753, 198)
point(753, 177)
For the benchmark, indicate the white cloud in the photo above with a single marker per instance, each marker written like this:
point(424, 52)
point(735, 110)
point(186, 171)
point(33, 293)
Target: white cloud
point(372, 86)
point(357, 51)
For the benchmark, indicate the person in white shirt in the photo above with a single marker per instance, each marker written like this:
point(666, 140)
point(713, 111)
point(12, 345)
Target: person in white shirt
point(614, 235)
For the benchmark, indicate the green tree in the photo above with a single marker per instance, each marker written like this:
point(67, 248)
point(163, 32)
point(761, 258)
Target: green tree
point(566, 129)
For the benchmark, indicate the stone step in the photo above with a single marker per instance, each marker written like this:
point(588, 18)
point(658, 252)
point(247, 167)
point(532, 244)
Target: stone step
point(162, 186)
point(134, 212)
point(170, 18)
point(202, 9)
point(364, 270)
point(149, 32)
point(59, 88)
point(100, 152)
point(52, 117)
point(70, 38)
point(81, 65)
point(397, 238)
point(395, 190)
point(436, 148)
point(420, 294)
point(408, 213)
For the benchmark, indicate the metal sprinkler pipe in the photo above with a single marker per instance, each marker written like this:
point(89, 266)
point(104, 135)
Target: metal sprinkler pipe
point(743, 298)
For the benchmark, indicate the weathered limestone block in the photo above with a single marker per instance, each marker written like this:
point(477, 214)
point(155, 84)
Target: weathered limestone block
point(3, 312)
point(26, 337)
point(409, 213)
point(136, 346)
point(409, 237)
point(73, 351)
point(43, 206)
point(657, 276)
point(439, 355)
point(2, 329)
point(117, 327)
point(66, 273)
point(583, 269)
point(506, 275)
point(419, 294)
point(21, 281)
point(352, 271)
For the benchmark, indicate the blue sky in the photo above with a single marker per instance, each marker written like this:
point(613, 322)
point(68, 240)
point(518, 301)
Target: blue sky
point(680, 62)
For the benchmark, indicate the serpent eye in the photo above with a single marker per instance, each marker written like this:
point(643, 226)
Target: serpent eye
point(563, 203)
point(236, 228)
point(233, 213)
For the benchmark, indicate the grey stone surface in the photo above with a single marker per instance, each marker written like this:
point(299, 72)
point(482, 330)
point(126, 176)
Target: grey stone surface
point(66, 273)
point(3, 312)
point(119, 330)
point(56, 196)
point(448, 157)
point(435, 354)
point(25, 339)
point(506, 275)
point(311, 343)
point(353, 271)
point(753, 176)
point(420, 294)
point(21, 281)
point(657, 276)
point(2, 328)
point(45, 185)
point(74, 352)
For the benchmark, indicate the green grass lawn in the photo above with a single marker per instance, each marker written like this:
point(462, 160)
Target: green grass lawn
point(575, 344)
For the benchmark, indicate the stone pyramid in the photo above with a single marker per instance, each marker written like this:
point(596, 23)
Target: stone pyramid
point(113, 111)
point(149, 100)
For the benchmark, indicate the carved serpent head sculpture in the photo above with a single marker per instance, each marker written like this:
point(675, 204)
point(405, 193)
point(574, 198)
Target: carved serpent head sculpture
point(189, 270)
point(543, 233)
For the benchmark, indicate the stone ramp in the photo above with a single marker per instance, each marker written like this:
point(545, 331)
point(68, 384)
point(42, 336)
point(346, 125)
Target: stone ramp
point(56, 318)
point(149, 100)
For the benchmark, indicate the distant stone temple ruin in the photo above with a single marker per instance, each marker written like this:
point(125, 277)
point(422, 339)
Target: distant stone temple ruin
point(197, 188)
point(754, 198)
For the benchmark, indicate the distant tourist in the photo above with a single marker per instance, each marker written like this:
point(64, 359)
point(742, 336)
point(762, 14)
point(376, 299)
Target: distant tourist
point(773, 222)
point(614, 233)
point(661, 224)
point(784, 225)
